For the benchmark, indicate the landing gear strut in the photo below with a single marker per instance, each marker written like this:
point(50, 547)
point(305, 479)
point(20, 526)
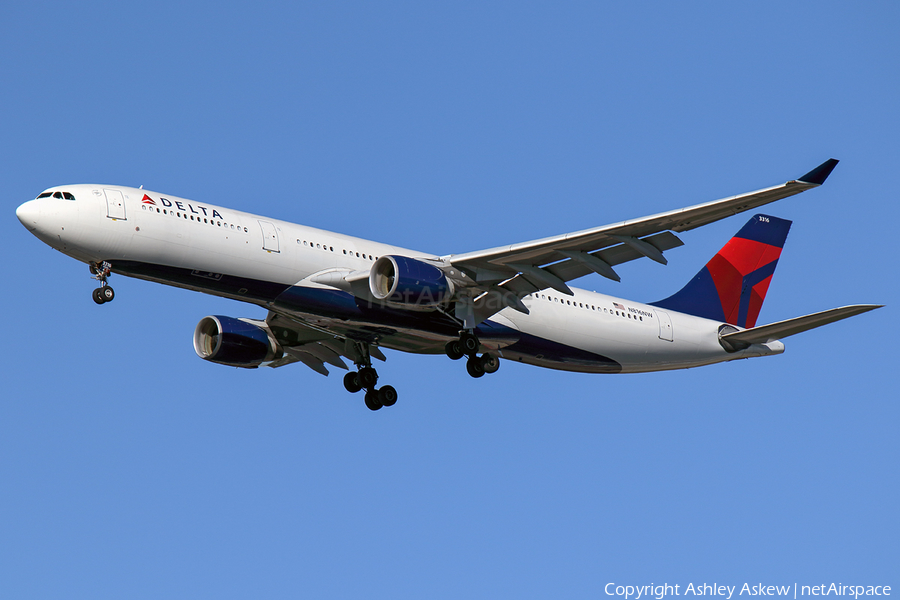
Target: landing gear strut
point(468, 345)
point(100, 272)
point(365, 379)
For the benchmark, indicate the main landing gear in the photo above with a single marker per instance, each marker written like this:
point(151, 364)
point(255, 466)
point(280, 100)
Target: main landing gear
point(365, 379)
point(468, 345)
point(100, 272)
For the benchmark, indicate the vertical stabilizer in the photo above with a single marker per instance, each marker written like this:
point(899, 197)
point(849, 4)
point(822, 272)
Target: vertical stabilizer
point(732, 286)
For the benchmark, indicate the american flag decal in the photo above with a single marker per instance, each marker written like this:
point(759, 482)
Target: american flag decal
point(619, 306)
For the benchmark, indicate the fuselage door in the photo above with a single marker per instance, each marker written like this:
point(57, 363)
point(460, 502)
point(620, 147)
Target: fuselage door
point(270, 236)
point(115, 204)
point(665, 326)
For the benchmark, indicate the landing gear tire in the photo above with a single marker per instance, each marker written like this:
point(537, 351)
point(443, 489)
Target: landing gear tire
point(475, 367)
point(373, 402)
point(104, 294)
point(368, 377)
point(387, 396)
point(101, 272)
point(469, 343)
point(490, 363)
point(351, 382)
point(454, 350)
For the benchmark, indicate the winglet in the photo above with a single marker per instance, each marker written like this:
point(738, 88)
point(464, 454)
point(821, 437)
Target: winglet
point(818, 175)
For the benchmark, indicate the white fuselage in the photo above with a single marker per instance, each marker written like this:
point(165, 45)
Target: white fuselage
point(190, 244)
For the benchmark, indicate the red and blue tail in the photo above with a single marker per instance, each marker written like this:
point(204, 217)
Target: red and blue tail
point(732, 286)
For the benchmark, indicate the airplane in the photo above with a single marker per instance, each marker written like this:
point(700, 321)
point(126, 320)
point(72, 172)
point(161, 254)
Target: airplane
point(331, 297)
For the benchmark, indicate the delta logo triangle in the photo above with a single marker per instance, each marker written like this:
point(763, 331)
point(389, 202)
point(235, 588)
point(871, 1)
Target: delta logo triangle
point(148, 200)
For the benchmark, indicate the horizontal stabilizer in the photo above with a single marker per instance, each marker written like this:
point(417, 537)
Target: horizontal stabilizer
point(783, 329)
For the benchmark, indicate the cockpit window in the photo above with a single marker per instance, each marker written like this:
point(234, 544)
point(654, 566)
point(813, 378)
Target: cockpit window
point(60, 195)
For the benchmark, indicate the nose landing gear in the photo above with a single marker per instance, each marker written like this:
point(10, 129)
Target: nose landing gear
point(100, 272)
point(102, 295)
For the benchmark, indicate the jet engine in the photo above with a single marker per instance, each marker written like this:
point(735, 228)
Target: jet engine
point(234, 342)
point(407, 281)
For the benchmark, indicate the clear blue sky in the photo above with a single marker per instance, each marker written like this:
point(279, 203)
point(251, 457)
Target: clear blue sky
point(130, 468)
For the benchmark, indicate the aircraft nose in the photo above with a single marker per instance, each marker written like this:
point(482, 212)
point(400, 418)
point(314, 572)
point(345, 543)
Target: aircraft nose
point(28, 214)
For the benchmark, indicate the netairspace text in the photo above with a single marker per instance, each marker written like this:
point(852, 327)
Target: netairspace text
point(660, 591)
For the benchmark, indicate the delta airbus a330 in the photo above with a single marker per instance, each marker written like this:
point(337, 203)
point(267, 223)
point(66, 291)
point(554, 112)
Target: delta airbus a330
point(331, 296)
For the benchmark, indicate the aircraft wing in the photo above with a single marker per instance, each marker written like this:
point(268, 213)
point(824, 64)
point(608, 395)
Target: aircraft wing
point(510, 272)
point(312, 346)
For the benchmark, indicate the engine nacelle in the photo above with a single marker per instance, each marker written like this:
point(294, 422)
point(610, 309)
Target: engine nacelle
point(233, 342)
point(407, 281)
